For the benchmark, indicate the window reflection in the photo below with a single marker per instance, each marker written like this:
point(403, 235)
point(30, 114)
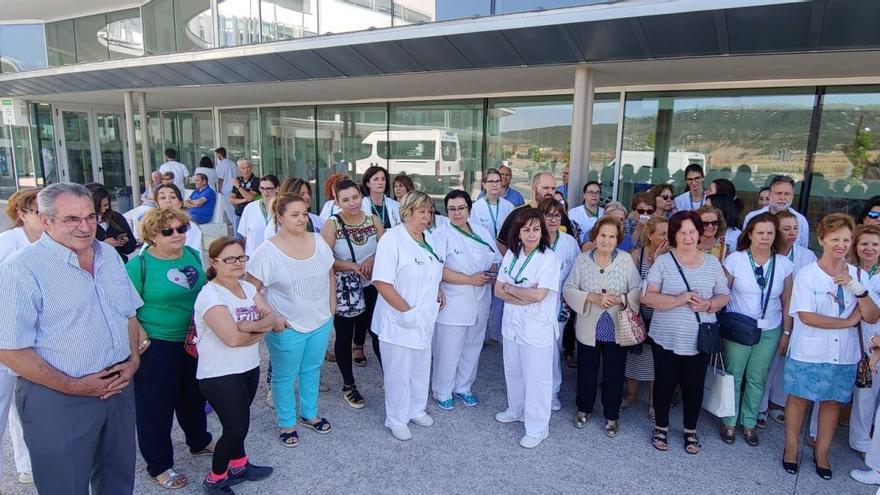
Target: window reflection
point(414, 11)
point(239, 22)
point(341, 16)
point(123, 35)
point(288, 144)
point(22, 47)
point(288, 19)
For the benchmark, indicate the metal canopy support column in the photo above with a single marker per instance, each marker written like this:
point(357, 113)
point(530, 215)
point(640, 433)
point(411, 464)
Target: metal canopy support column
point(581, 132)
point(132, 149)
point(145, 136)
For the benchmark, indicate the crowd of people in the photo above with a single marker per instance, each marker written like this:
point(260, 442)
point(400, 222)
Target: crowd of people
point(108, 338)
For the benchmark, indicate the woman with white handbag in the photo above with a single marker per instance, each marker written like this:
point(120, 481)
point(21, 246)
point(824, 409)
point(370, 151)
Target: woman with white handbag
point(760, 288)
point(603, 282)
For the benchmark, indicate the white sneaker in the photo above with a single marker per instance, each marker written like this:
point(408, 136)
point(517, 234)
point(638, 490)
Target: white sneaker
point(26, 478)
point(425, 420)
point(530, 442)
point(504, 417)
point(402, 433)
point(555, 405)
point(868, 476)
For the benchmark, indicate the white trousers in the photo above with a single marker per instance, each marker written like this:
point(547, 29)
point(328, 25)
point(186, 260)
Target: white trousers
point(872, 456)
point(456, 357)
point(406, 375)
point(8, 409)
point(528, 373)
point(775, 389)
point(864, 407)
point(557, 364)
point(493, 329)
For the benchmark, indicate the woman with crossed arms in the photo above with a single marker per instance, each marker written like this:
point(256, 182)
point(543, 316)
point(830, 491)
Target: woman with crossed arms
point(469, 270)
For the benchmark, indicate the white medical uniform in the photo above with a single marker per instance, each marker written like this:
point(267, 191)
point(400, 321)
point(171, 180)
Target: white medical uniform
point(392, 210)
point(585, 220)
point(492, 218)
point(252, 225)
point(461, 324)
point(683, 202)
point(530, 333)
point(12, 241)
point(405, 338)
point(864, 404)
point(567, 250)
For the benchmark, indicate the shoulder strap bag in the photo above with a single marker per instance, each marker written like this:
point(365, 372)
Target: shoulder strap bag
point(350, 300)
point(864, 377)
point(743, 329)
point(708, 334)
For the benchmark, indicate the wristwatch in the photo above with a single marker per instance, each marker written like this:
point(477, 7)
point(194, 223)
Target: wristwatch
point(862, 295)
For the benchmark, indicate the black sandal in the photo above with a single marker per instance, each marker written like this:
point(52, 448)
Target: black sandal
point(322, 426)
point(789, 467)
point(659, 439)
point(289, 439)
point(691, 443)
point(361, 361)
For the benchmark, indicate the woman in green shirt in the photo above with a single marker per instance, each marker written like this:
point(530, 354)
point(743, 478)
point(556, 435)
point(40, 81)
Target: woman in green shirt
point(168, 276)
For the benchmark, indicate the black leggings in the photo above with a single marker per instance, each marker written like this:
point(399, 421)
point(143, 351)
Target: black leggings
point(349, 330)
point(671, 369)
point(231, 397)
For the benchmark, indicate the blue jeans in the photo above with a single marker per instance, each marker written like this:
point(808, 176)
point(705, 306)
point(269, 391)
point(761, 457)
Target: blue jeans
point(297, 355)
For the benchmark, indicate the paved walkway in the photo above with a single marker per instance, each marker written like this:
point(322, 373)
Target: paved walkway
point(466, 451)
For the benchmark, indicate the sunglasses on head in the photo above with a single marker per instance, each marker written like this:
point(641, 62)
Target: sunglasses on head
point(180, 229)
point(873, 215)
point(649, 211)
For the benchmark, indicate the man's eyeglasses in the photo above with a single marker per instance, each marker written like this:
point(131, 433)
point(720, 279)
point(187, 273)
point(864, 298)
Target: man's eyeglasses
point(648, 211)
point(711, 223)
point(180, 229)
point(874, 215)
point(235, 259)
point(73, 222)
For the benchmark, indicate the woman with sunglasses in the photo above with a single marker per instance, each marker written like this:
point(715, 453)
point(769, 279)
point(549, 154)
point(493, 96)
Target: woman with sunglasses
point(642, 210)
point(168, 196)
point(294, 269)
point(828, 301)
point(870, 214)
point(231, 318)
point(773, 402)
point(865, 254)
point(714, 226)
point(255, 216)
point(693, 196)
point(566, 249)
point(760, 287)
point(528, 282)
point(664, 196)
point(168, 276)
point(469, 269)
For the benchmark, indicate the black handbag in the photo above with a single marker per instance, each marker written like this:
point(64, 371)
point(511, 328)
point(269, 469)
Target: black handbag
point(708, 334)
point(743, 329)
point(864, 375)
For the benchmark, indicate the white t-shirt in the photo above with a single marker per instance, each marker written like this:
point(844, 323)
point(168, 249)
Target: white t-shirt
point(329, 209)
point(873, 287)
point(585, 220)
point(211, 173)
point(226, 170)
point(253, 225)
point(803, 238)
point(800, 257)
point(298, 290)
point(490, 217)
point(683, 202)
point(180, 173)
point(466, 304)
point(533, 324)
point(746, 296)
point(215, 357)
point(815, 292)
point(731, 238)
point(415, 274)
point(11, 242)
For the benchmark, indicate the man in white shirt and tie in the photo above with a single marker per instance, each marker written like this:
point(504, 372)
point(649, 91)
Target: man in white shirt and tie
point(781, 196)
point(181, 173)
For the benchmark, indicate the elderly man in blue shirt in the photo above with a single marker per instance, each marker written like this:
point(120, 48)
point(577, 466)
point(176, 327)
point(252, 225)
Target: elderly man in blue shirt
point(201, 202)
point(72, 338)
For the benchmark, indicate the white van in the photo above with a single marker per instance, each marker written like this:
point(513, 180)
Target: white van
point(431, 158)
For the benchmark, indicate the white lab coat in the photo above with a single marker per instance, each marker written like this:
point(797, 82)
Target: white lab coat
point(585, 220)
point(392, 207)
point(461, 324)
point(490, 217)
point(252, 225)
point(566, 251)
point(405, 338)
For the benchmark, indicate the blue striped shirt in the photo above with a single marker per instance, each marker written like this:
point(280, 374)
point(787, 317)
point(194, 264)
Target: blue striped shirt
point(75, 322)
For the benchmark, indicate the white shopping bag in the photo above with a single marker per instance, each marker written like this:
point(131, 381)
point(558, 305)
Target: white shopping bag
point(718, 392)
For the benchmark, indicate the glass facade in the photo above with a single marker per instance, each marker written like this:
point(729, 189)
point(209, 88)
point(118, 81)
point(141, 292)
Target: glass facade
point(345, 139)
point(7, 163)
point(22, 47)
point(288, 142)
point(240, 135)
point(509, 6)
point(239, 22)
point(288, 19)
point(60, 43)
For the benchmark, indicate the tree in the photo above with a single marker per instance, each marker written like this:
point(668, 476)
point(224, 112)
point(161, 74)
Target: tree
point(857, 153)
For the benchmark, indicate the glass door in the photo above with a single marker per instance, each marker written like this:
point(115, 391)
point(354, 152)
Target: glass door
point(112, 170)
point(77, 146)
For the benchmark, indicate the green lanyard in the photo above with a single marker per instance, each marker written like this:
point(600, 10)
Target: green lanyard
point(701, 203)
point(263, 209)
point(516, 279)
point(873, 271)
point(762, 277)
point(473, 237)
point(558, 235)
point(495, 216)
point(427, 247)
point(587, 212)
point(384, 210)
